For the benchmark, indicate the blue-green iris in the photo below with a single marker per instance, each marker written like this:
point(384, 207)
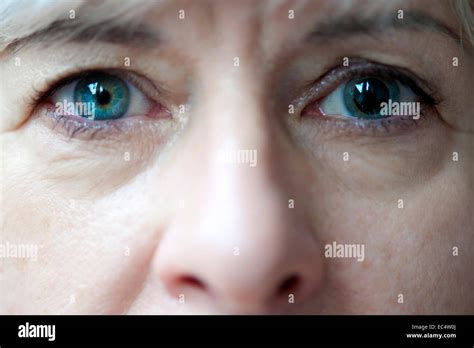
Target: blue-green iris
point(363, 96)
point(109, 95)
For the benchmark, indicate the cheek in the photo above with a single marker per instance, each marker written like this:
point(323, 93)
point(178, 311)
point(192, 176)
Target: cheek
point(92, 254)
point(30, 221)
point(93, 241)
point(377, 165)
point(408, 251)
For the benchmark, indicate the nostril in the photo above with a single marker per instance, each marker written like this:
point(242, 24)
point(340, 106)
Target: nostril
point(290, 284)
point(192, 282)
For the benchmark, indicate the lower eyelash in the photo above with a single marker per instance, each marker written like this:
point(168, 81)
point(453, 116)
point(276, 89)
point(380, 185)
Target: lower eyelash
point(392, 126)
point(120, 131)
point(74, 125)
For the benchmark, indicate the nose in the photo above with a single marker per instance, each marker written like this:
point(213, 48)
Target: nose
point(242, 257)
point(237, 246)
point(236, 243)
point(247, 271)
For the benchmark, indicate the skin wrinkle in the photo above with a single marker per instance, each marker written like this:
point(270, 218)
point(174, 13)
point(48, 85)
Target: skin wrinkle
point(181, 211)
point(86, 13)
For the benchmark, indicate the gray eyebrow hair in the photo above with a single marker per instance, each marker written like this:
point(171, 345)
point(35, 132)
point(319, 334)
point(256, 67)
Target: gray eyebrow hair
point(350, 25)
point(110, 31)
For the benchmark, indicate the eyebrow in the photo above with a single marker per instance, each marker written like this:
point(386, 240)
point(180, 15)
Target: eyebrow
point(349, 25)
point(110, 31)
point(142, 36)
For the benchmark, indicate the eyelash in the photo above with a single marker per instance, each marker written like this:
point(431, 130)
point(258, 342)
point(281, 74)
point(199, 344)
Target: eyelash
point(321, 88)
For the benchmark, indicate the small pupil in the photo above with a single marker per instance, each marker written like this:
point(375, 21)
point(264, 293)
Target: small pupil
point(103, 96)
point(369, 94)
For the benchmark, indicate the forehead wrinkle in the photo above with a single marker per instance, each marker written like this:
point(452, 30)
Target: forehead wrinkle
point(133, 34)
point(327, 9)
point(351, 17)
point(19, 20)
point(324, 9)
point(309, 12)
point(19, 25)
point(279, 8)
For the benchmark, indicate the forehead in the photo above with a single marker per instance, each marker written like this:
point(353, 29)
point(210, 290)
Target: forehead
point(230, 23)
point(15, 14)
point(267, 12)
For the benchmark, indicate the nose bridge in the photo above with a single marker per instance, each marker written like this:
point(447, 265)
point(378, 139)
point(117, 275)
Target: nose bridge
point(233, 98)
point(240, 147)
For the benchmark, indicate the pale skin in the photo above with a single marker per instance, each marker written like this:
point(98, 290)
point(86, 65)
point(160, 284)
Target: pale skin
point(171, 229)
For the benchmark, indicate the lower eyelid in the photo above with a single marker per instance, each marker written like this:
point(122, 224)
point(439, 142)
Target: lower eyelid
point(383, 127)
point(122, 130)
point(73, 126)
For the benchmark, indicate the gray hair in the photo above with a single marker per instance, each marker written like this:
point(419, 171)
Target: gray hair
point(464, 10)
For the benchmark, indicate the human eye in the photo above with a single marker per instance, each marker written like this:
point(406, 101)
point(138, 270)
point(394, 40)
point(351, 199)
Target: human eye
point(370, 96)
point(87, 102)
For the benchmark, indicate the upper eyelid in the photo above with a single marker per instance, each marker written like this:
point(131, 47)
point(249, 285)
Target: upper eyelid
point(320, 88)
point(340, 74)
point(141, 82)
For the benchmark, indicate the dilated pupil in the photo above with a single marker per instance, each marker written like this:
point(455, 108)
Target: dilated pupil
point(103, 96)
point(368, 94)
